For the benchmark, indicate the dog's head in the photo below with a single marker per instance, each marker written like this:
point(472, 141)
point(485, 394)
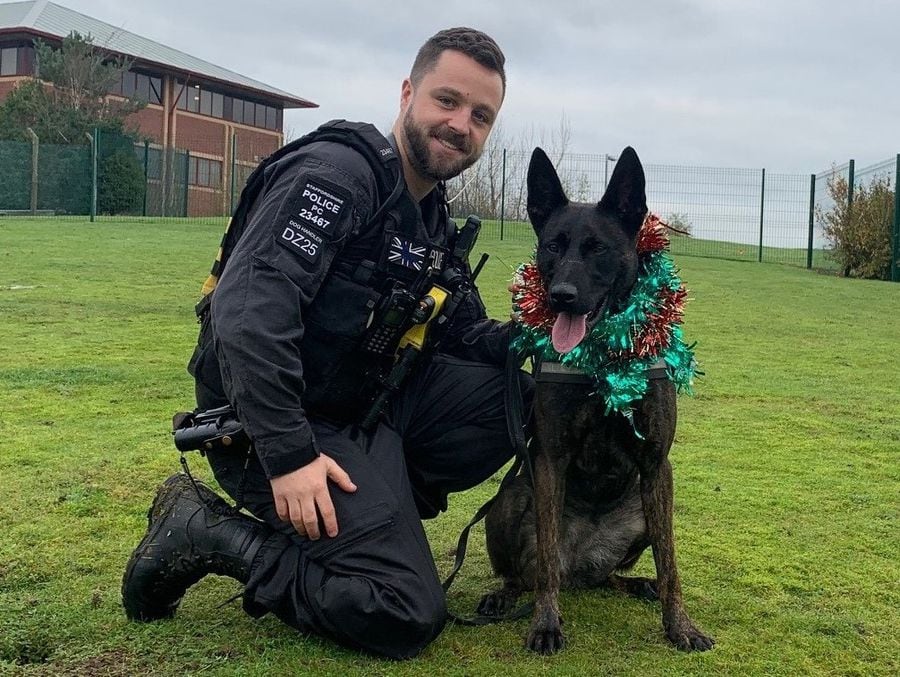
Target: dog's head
point(586, 252)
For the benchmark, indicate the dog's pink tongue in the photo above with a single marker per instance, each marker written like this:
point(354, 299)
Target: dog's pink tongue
point(568, 330)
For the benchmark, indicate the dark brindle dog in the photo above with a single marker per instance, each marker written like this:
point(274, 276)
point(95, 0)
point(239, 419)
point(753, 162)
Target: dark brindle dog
point(601, 493)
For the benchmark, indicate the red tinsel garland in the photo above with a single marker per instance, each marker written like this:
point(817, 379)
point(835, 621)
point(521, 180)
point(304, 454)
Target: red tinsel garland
point(652, 236)
point(654, 337)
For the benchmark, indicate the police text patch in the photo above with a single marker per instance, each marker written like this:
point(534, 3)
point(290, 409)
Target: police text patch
point(301, 240)
point(319, 206)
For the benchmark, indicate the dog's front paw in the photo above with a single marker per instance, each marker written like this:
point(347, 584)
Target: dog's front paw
point(546, 638)
point(688, 637)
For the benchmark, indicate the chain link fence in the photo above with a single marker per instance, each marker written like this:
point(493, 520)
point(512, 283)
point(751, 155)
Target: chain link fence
point(111, 175)
point(733, 213)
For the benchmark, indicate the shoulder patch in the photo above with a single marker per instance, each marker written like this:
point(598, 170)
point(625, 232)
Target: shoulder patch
point(312, 218)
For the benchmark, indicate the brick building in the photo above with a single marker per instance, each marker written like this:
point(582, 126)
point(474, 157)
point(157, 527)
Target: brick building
point(220, 122)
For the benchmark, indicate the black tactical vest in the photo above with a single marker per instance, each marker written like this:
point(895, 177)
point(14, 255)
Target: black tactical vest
point(338, 376)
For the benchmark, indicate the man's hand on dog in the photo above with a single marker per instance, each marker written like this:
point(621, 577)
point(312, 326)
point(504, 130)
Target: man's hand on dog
point(302, 496)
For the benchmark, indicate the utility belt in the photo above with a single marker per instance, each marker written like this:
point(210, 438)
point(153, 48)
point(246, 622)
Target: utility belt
point(409, 320)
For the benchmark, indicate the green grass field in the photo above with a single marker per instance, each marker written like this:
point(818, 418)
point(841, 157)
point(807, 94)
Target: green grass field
point(786, 475)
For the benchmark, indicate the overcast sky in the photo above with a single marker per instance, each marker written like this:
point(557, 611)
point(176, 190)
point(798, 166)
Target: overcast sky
point(790, 85)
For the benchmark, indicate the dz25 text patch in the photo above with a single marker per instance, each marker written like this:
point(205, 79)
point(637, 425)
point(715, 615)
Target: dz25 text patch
point(301, 240)
point(319, 206)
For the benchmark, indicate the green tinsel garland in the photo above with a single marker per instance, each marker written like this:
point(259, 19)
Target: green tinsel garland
point(607, 354)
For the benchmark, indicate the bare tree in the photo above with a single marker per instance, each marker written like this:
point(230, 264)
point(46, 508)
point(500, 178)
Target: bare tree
point(481, 188)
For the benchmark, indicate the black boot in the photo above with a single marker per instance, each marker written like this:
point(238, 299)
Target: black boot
point(188, 537)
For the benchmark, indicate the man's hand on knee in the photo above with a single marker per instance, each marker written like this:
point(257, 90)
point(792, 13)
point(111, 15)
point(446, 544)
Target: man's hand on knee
point(302, 496)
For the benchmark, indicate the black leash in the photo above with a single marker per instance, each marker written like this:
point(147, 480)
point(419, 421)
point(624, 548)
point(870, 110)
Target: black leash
point(515, 425)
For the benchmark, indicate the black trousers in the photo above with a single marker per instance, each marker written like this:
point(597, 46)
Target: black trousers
point(375, 585)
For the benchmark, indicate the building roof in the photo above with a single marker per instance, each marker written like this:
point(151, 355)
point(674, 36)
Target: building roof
point(47, 19)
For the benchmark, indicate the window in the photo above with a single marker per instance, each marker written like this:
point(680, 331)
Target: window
point(244, 112)
point(116, 87)
point(206, 173)
point(129, 86)
point(215, 174)
point(9, 60)
point(141, 87)
point(205, 102)
point(155, 90)
point(154, 162)
point(217, 101)
point(193, 98)
point(182, 92)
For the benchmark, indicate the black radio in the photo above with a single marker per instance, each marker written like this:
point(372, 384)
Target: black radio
point(389, 321)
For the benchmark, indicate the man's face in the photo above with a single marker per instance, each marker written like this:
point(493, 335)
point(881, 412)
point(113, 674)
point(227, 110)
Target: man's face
point(447, 117)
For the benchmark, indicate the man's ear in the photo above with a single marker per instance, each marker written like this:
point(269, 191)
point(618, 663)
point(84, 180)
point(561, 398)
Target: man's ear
point(406, 91)
point(545, 192)
point(625, 196)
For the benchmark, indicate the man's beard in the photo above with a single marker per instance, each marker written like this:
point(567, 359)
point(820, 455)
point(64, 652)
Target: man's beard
point(421, 158)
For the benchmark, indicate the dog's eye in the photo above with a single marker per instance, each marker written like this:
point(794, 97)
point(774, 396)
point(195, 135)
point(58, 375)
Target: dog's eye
point(600, 247)
point(553, 248)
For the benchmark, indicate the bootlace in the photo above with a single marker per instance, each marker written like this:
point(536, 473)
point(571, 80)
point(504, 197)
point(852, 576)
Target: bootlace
point(218, 506)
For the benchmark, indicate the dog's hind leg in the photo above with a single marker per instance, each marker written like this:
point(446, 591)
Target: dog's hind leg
point(500, 602)
point(510, 540)
point(634, 586)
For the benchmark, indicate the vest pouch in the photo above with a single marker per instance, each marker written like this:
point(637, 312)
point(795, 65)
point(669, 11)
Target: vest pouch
point(334, 369)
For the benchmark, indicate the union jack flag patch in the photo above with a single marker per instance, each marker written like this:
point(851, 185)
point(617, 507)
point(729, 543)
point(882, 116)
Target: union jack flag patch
point(406, 253)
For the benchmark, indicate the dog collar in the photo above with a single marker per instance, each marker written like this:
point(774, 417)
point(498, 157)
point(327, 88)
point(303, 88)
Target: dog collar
point(557, 372)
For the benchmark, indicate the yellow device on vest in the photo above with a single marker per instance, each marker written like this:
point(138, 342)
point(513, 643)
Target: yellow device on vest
point(417, 334)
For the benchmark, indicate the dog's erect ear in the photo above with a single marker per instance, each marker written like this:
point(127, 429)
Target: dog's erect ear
point(545, 192)
point(625, 196)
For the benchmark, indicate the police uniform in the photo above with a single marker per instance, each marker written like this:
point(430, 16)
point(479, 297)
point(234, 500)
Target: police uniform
point(286, 321)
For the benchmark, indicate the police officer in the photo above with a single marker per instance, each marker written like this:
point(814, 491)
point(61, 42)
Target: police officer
point(338, 547)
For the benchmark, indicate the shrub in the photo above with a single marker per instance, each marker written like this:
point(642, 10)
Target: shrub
point(120, 184)
point(859, 234)
point(679, 223)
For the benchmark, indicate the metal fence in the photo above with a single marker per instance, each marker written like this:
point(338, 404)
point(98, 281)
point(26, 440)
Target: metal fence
point(734, 213)
point(745, 214)
point(111, 175)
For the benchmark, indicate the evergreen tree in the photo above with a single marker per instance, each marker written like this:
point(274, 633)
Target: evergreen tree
point(68, 96)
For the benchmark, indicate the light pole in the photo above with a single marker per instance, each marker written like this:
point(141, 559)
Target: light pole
point(607, 158)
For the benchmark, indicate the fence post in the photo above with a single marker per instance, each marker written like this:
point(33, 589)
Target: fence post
point(187, 180)
point(502, 193)
point(34, 170)
point(851, 179)
point(95, 150)
point(146, 176)
point(233, 166)
point(895, 259)
point(812, 212)
point(762, 209)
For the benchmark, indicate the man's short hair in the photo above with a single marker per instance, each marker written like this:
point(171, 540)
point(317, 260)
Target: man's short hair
point(474, 44)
